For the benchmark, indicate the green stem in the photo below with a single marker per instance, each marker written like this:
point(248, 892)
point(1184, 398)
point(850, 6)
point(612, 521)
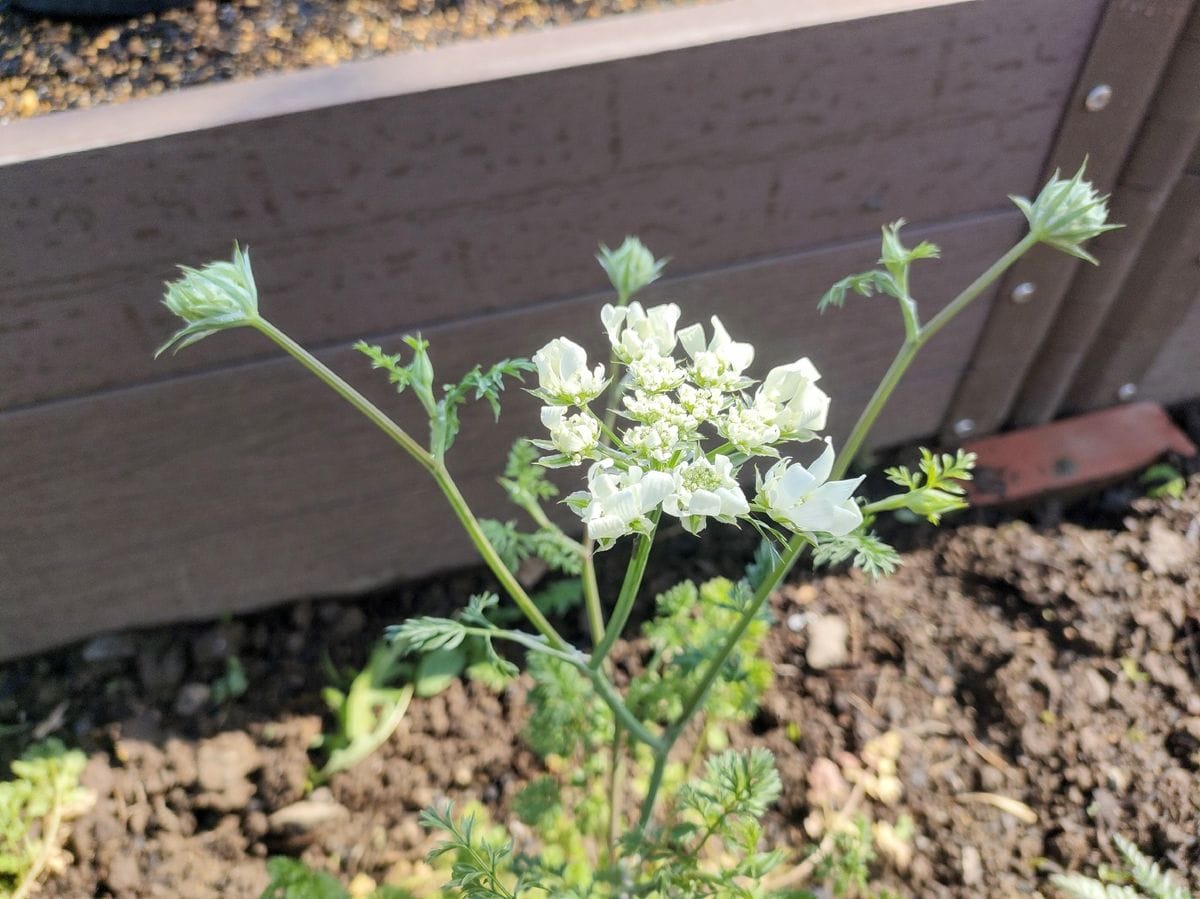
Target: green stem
point(866, 420)
point(435, 467)
point(629, 591)
point(624, 717)
point(978, 286)
point(591, 594)
point(615, 779)
point(492, 558)
point(346, 392)
point(656, 779)
point(912, 345)
point(916, 337)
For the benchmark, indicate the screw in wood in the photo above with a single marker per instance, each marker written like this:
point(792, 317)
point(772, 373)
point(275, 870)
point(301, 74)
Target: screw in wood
point(1023, 292)
point(964, 427)
point(1098, 97)
point(1126, 392)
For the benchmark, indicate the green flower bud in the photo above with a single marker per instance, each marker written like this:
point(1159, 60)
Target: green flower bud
point(630, 267)
point(218, 296)
point(1066, 213)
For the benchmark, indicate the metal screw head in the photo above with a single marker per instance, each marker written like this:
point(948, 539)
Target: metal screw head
point(1098, 97)
point(1126, 392)
point(1023, 292)
point(964, 427)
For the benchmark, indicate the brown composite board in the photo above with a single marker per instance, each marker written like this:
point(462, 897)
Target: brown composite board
point(1172, 377)
point(1131, 48)
point(1156, 302)
point(425, 207)
point(226, 491)
point(1104, 317)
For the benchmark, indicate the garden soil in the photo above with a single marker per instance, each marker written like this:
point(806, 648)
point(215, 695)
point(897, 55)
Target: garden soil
point(1043, 682)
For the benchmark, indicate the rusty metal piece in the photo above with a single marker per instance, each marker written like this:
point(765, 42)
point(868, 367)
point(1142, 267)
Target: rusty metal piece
point(1074, 452)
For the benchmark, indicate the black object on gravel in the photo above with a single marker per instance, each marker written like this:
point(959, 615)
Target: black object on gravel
point(97, 9)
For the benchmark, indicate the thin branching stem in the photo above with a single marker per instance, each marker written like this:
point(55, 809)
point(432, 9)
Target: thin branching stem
point(916, 336)
point(628, 594)
point(434, 466)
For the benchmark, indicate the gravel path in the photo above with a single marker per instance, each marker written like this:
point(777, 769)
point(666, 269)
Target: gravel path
point(48, 65)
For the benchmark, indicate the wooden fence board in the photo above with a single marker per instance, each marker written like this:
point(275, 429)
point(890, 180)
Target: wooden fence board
point(225, 491)
point(1174, 377)
point(1130, 51)
point(425, 207)
point(1105, 316)
point(1157, 298)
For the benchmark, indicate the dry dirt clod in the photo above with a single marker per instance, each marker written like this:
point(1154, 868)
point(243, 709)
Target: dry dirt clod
point(827, 638)
point(300, 819)
point(1168, 552)
point(223, 766)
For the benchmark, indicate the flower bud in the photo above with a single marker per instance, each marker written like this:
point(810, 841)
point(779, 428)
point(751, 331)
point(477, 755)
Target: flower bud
point(218, 296)
point(630, 267)
point(1066, 213)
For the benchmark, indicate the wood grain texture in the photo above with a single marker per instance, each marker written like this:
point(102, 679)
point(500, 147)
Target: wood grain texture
point(1130, 52)
point(230, 490)
point(419, 209)
point(1105, 317)
point(607, 39)
point(1156, 301)
point(1173, 378)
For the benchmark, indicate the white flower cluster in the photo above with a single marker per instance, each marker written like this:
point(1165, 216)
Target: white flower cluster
point(673, 406)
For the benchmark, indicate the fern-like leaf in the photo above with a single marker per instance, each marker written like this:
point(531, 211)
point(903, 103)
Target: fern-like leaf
point(1149, 876)
point(865, 551)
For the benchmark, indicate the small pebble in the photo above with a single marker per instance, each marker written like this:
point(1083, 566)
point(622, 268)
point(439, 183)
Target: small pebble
point(827, 636)
point(191, 699)
point(972, 866)
point(107, 647)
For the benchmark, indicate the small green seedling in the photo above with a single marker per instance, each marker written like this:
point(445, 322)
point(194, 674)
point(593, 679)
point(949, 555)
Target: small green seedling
point(1163, 481)
point(368, 711)
point(36, 808)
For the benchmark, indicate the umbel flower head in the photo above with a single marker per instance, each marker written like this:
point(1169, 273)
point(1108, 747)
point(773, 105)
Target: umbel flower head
point(218, 296)
point(691, 421)
point(1066, 213)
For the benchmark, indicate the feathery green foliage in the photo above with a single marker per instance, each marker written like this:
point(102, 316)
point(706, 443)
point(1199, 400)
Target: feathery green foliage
point(524, 480)
point(864, 550)
point(479, 865)
point(292, 879)
point(559, 552)
point(1152, 881)
point(477, 384)
point(35, 808)
point(934, 489)
point(689, 627)
point(891, 280)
